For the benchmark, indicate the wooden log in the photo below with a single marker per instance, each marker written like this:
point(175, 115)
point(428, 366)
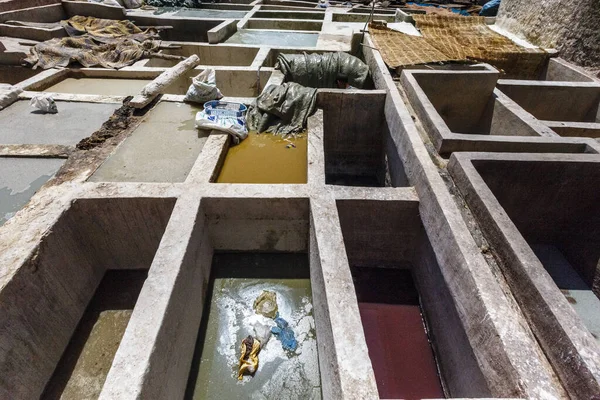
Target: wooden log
point(164, 80)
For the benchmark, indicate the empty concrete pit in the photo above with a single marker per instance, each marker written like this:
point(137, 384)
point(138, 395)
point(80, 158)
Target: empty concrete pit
point(163, 148)
point(208, 54)
point(570, 109)
point(231, 83)
point(237, 280)
point(266, 158)
point(463, 110)
point(417, 343)
point(100, 86)
point(12, 75)
point(556, 101)
point(355, 144)
point(273, 38)
point(89, 241)
point(542, 217)
point(22, 124)
point(20, 178)
point(85, 362)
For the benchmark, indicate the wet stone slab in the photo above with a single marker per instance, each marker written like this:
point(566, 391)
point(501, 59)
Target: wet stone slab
point(100, 86)
point(274, 38)
point(22, 124)
point(237, 280)
point(162, 149)
point(20, 178)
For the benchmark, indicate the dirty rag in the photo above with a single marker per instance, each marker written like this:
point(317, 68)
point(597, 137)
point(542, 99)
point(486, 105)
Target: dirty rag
point(285, 334)
point(266, 304)
point(282, 109)
point(249, 357)
point(323, 70)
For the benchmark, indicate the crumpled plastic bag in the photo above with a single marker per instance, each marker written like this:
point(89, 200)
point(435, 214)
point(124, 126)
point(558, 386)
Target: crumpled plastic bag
point(45, 103)
point(262, 332)
point(249, 357)
point(234, 126)
point(266, 304)
point(285, 334)
point(203, 88)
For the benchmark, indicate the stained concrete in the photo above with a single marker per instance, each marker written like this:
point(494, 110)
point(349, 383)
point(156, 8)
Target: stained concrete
point(101, 86)
point(495, 356)
point(162, 149)
point(272, 38)
point(20, 178)
point(22, 124)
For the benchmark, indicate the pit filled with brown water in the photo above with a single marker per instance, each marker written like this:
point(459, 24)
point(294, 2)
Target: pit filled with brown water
point(266, 158)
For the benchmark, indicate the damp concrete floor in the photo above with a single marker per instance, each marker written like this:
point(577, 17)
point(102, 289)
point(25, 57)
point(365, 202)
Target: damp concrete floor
point(266, 158)
point(20, 178)
point(85, 363)
point(237, 280)
point(20, 123)
point(274, 38)
point(162, 149)
point(100, 86)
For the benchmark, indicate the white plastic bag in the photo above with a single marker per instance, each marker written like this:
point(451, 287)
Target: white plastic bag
point(235, 126)
point(203, 88)
point(44, 102)
point(262, 332)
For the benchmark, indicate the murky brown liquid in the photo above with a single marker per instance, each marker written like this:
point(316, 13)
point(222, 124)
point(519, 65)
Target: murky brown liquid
point(266, 158)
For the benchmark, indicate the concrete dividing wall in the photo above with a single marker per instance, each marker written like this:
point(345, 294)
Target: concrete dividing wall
point(41, 305)
point(569, 26)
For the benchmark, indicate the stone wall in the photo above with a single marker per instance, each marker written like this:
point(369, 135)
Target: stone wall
point(572, 27)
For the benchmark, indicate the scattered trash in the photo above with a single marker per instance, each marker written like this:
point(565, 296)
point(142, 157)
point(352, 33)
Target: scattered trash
point(203, 88)
point(490, 9)
point(266, 304)
point(224, 117)
point(45, 103)
point(249, 357)
point(282, 109)
point(291, 146)
point(262, 332)
point(285, 334)
point(323, 4)
point(323, 70)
